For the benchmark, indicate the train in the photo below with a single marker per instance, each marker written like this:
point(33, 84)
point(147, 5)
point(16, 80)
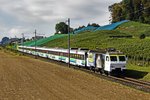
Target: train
point(103, 61)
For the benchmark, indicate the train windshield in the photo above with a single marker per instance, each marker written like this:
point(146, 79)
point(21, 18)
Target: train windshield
point(122, 58)
point(113, 58)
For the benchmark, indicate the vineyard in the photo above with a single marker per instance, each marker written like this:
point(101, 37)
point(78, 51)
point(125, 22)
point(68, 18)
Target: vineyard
point(135, 48)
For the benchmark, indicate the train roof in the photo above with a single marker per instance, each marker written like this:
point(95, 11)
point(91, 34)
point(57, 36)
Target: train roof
point(84, 49)
point(97, 51)
point(115, 53)
point(76, 51)
point(110, 51)
point(107, 51)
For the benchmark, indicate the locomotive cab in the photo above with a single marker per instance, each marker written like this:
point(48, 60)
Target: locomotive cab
point(115, 62)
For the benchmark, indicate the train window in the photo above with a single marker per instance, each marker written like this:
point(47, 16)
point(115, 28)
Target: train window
point(82, 57)
point(113, 58)
point(45, 51)
point(107, 58)
point(70, 55)
point(64, 54)
point(61, 54)
point(122, 58)
point(79, 56)
point(76, 56)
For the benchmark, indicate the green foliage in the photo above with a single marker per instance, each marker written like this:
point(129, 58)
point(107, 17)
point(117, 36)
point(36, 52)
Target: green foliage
point(116, 12)
point(141, 70)
point(62, 28)
point(80, 27)
point(93, 24)
point(44, 40)
point(142, 36)
point(135, 10)
point(134, 28)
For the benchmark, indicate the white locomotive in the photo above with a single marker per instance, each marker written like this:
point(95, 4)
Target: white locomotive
point(103, 61)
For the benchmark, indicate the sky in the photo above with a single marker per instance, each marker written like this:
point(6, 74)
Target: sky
point(24, 16)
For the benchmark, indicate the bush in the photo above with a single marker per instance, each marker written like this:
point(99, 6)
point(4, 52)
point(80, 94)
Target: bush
point(142, 36)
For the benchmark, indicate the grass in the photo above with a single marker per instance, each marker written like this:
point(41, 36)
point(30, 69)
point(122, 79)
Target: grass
point(135, 28)
point(44, 40)
point(138, 72)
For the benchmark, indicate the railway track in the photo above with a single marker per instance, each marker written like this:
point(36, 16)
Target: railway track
point(138, 81)
point(134, 83)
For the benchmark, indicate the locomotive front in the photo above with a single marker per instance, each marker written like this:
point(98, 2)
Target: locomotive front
point(115, 61)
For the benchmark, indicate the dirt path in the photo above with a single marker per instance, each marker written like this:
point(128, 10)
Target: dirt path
point(23, 78)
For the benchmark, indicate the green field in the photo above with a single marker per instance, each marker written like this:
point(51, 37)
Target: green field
point(138, 72)
point(135, 28)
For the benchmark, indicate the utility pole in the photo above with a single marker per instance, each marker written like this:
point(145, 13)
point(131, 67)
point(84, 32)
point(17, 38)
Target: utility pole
point(23, 42)
point(35, 46)
point(35, 40)
point(69, 42)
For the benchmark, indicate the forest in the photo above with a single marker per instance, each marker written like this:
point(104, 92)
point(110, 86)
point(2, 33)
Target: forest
point(134, 10)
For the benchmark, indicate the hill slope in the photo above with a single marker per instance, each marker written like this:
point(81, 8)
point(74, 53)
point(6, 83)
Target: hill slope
point(44, 40)
point(133, 47)
point(134, 28)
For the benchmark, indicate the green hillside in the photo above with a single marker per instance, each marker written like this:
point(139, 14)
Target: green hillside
point(138, 50)
point(135, 28)
point(44, 40)
point(134, 47)
point(101, 39)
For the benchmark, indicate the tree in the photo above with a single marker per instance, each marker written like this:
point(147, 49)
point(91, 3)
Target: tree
point(146, 11)
point(142, 36)
point(128, 7)
point(134, 10)
point(95, 25)
point(5, 40)
point(88, 24)
point(61, 28)
point(117, 12)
